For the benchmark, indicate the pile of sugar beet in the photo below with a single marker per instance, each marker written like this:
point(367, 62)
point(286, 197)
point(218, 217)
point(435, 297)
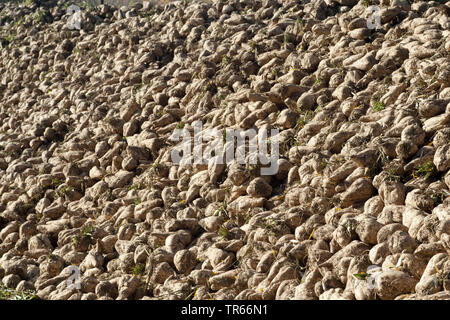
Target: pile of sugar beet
point(359, 208)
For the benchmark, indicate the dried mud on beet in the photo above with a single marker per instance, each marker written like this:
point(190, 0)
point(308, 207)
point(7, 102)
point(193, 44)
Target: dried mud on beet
point(93, 207)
